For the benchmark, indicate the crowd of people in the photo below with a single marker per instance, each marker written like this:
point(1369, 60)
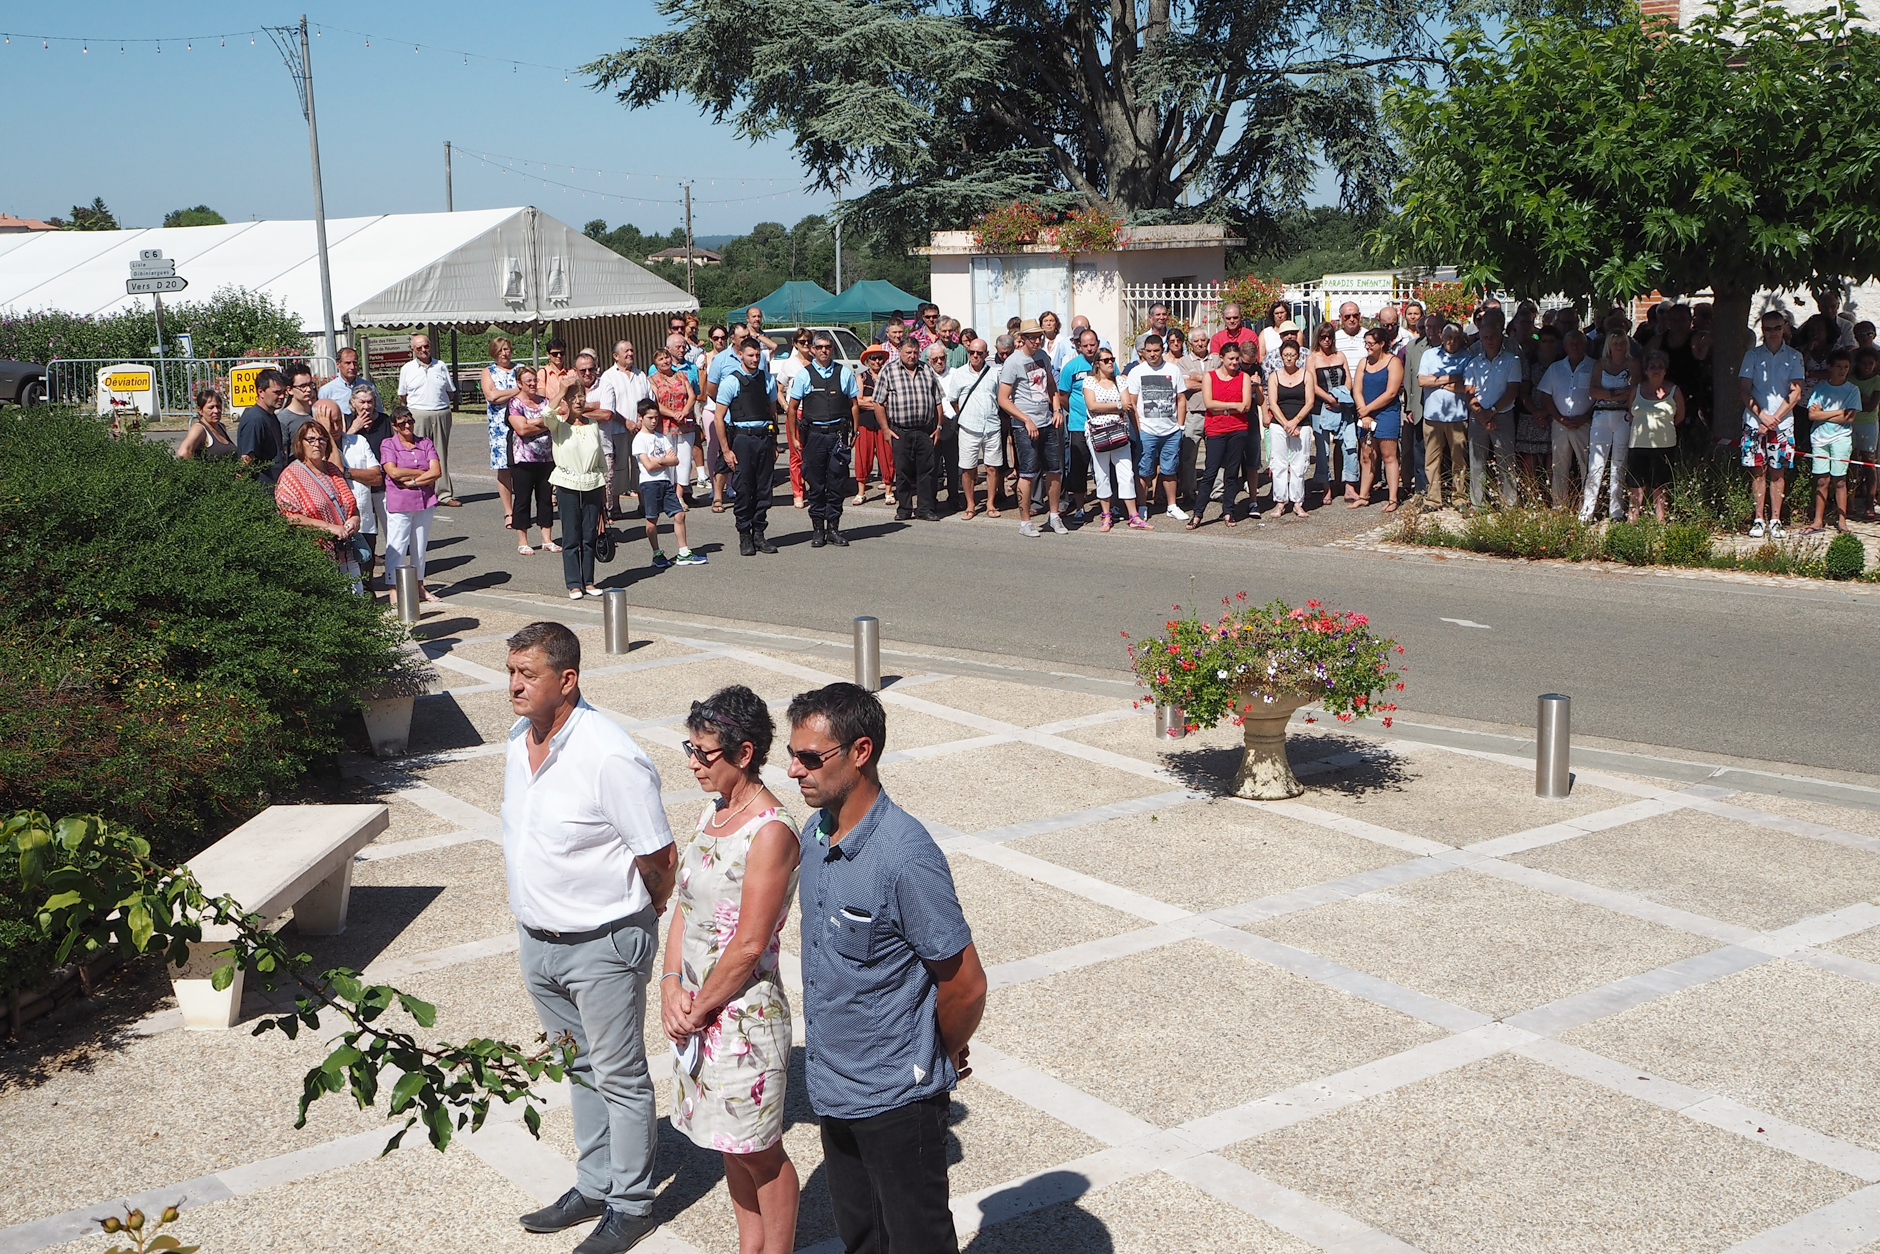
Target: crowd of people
point(1059, 426)
point(893, 987)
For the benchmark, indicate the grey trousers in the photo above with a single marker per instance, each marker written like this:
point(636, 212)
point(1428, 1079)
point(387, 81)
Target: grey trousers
point(1503, 439)
point(434, 425)
point(596, 992)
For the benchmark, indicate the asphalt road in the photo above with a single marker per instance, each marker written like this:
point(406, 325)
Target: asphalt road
point(1759, 671)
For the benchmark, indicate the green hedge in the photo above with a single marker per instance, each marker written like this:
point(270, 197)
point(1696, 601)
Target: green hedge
point(228, 323)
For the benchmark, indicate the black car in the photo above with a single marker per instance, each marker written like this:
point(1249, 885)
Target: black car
point(22, 382)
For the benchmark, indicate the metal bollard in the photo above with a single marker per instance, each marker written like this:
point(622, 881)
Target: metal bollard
point(407, 594)
point(1553, 739)
point(868, 653)
point(1171, 722)
point(614, 620)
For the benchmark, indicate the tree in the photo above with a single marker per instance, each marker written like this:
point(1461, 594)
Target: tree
point(955, 105)
point(1732, 155)
point(1304, 244)
point(93, 218)
point(201, 215)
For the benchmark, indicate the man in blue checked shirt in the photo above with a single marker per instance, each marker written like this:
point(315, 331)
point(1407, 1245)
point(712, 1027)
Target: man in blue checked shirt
point(892, 985)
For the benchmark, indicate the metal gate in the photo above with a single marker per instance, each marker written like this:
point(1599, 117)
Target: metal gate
point(73, 381)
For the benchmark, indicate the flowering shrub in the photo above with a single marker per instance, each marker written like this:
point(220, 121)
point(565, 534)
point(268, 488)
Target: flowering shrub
point(1087, 230)
point(1009, 227)
point(1452, 302)
point(1254, 295)
point(1259, 656)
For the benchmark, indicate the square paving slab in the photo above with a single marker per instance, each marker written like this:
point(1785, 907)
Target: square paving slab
point(1014, 917)
point(416, 903)
point(1844, 818)
point(1207, 758)
point(1025, 705)
point(1190, 1029)
point(1511, 1157)
point(1152, 1214)
point(1004, 784)
point(1753, 876)
point(673, 689)
point(1863, 945)
point(1203, 855)
point(1482, 942)
point(1792, 1040)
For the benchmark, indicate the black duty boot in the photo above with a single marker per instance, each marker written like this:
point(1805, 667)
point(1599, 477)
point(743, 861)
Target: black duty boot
point(747, 547)
point(763, 543)
point(816, 540)
point(835, 536)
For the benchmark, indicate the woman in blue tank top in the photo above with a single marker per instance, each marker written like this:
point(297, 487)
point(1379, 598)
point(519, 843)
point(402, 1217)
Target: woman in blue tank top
point(1380, 417)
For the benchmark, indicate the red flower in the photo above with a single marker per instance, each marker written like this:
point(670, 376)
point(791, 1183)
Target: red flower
point(1240, 596)
point(1387, 720)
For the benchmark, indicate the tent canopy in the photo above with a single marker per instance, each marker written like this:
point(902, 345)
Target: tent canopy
point(871, 300)
point(792, 301)
point(506, 266)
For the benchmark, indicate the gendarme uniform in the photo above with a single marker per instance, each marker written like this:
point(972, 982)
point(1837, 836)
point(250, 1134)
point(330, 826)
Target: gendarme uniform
point(751, 428)
point(825, 408)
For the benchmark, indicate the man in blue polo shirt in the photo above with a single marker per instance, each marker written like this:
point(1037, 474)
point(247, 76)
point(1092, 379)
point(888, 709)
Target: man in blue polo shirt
point(822, 400)
point(745, 418)
point(892, 985)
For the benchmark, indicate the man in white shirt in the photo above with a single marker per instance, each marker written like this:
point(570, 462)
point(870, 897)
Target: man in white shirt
point(589, 858)
point(1158, 391)
point(1565, 397)
point(1772, 382)
point(425, 386)
point(1066, 345)
point(972, 397)
point(1492, 378)
point(340, 388)
point(621, 388)
point(1351, 341)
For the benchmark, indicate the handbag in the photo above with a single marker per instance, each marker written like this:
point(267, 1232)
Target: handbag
point(1106, 432)
point(605, 548)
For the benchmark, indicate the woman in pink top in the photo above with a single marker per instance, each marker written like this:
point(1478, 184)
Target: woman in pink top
point(411, 474)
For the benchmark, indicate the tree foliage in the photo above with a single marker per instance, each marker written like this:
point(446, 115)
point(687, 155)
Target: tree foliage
point(1736, 154)
point(232, 322)
point(1134, 106)
point(92, 217)
point(201, 215)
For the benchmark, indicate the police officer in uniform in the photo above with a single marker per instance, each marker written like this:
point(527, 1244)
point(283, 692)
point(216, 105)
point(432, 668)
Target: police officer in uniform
point(823, 400)
point(743, 404)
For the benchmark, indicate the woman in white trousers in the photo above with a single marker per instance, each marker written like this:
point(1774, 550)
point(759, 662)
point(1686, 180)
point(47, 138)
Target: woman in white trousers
point(1291, 396)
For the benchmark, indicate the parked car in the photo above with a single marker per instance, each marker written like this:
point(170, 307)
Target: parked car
point(22, 382)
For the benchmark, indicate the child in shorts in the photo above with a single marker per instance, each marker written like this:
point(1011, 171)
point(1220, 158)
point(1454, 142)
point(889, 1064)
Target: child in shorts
point(657, 451)
point(1832, 407)
point(1864, 475)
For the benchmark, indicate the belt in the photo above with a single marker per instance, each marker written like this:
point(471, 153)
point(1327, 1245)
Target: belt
point(910, 426)
point(578, 938)
point(755, 426)
point(838, 424)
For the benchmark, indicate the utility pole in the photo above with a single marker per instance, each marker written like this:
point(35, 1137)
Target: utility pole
point(449, 207)
point(298, 53)
point(688, 239)
point(838, 239)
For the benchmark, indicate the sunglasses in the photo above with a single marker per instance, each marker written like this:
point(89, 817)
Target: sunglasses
point(812, 759)
point(554, 352)
point(718, 339)
point(702, 756)
point(1106, 361)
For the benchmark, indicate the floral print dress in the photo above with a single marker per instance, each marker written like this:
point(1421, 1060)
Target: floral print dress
point(736, 1103)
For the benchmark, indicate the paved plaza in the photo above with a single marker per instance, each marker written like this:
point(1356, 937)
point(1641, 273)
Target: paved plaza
point(1415, 1009)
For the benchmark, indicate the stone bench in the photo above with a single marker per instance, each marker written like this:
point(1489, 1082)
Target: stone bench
point(297, 858)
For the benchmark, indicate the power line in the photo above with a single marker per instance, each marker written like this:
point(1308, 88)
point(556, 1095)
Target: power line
point(491, 159)
point(221, 38)
point(574, 166)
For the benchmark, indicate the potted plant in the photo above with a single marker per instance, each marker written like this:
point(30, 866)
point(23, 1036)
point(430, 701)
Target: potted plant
point(1259, 664)
point(387, 704)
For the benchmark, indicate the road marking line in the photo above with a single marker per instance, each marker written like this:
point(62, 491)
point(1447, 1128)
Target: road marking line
point(1467, 622)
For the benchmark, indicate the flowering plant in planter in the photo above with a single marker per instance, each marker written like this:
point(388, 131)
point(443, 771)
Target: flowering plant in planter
point(1009, 227)
point(1256, 665)
point(1087, 230)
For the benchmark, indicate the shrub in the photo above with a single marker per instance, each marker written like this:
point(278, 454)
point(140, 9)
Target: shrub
point(1687, 544)
point(1452, 302)
point(1009, 227)
point(1635, 544)
point(1525, 531)
point(231, 322)
point(1087, 230)
point(171, 650)
point(1254, 295)
point(1711, 492)
point(1846, 557)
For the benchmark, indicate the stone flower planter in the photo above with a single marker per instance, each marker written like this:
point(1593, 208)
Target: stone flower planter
point(388, 706)
point(1265, 774)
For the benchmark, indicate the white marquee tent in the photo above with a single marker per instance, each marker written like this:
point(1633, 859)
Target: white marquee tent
point(511, 267)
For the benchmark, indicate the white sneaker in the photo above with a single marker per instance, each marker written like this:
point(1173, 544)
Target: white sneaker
point(1028, 528)
point(1756, 530)
point(1178, 513)
point(1057, 525)
point(1776, 532)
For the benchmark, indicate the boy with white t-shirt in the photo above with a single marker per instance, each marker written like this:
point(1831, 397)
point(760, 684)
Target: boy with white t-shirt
point(1158, 391)
point(657, 453)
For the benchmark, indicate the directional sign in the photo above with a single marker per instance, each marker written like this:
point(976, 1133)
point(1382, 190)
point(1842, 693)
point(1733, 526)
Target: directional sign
point(159, 268)
point(134, 286)
point(149, 254)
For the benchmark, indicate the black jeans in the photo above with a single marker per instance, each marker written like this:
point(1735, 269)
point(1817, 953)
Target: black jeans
point(947, 459)
point(756, 451)
point(1226, 453)
point(915, 459)
point(888, 1178)
point(1076, 466)
point(581, 514)
point(532, 494)
point(825, 472)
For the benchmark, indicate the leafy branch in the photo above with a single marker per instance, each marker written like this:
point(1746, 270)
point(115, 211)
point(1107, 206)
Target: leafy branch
point(105, 894)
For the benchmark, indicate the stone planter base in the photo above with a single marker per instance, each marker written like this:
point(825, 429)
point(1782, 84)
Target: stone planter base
point(388, 723)
point(1265, 774)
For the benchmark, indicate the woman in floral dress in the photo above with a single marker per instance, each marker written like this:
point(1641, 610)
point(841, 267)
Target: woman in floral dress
point(721, 1000)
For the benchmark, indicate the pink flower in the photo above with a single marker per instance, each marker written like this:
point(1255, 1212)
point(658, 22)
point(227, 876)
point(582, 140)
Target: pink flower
point(730, 1145)
point(725, 921)
point(757, 1089)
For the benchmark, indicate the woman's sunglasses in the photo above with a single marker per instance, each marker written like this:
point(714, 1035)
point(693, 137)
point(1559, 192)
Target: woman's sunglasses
point(702, 756)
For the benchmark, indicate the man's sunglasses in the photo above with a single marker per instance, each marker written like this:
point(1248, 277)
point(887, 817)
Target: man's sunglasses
point(813, 759)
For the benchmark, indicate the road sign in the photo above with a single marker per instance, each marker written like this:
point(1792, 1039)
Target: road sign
point(149, 254)
point(241, 383)
point(385, 354)
point(127, 387)
point(134, 286)
point(157, 268)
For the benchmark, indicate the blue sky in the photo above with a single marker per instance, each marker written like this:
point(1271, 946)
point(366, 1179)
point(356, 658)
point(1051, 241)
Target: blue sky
point(154, 131)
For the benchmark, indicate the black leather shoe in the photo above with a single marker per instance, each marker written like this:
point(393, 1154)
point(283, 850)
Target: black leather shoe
point(927, 515)
point(817, 540)
point(617, 1233)
point(571, 1209)
point(747, 547)
point(835, 536)
point(763, 543)
point(904, 518)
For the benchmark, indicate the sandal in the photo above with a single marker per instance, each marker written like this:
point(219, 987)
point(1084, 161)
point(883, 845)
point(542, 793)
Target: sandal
point(549, 547)
point(525, 550)
point(1138, 523)
point(718, 507)
point(1390, 507)
point(1106, 523)
point(1194, 521)
point(860, 500)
